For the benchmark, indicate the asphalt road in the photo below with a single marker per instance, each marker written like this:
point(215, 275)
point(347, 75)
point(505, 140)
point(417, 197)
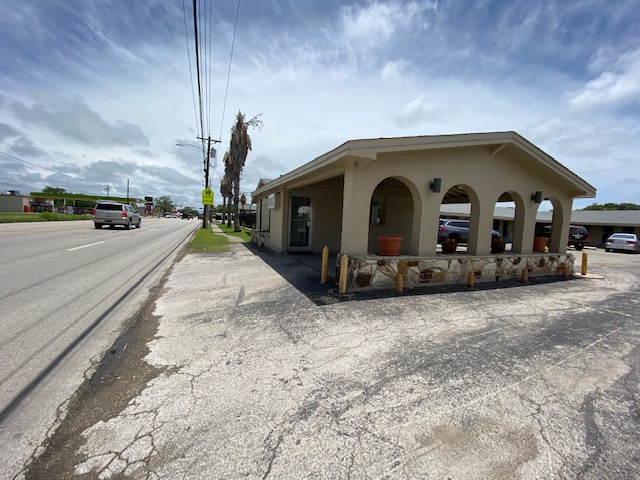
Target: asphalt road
point(245, 374)
point(66, 292)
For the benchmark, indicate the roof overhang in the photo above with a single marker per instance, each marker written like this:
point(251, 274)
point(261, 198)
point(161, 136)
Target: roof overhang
point(361, 152)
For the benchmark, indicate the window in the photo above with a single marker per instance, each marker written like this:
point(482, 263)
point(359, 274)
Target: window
point(376, 214)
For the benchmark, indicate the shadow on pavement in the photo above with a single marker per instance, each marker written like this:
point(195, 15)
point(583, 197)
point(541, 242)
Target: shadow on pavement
point(302, 271)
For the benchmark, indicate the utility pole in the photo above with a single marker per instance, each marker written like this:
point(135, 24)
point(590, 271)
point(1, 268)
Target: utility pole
point(207, 208)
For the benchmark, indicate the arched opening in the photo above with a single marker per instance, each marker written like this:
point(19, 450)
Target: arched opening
point(391, 213)
point(459, 219)
point(508, 223)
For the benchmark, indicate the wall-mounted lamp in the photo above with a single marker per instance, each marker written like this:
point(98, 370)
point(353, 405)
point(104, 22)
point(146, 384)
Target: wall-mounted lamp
point(435, 185)
point(537, 197)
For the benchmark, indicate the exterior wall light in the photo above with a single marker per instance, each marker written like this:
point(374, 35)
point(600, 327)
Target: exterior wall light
point(436, 184)
point(537, 197)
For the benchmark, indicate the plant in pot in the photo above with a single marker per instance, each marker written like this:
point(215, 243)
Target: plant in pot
point(497, 245)
point(540, 241)
point(449, 245)
point(389, 245)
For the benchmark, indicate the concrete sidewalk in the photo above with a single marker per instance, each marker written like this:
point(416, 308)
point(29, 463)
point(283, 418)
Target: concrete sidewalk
point(258, 381)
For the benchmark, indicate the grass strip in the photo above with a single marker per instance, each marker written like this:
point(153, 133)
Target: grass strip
point(16, 217)
point(245, 234)
point(205, 241)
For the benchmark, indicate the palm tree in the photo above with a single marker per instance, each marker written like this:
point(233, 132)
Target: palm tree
point(226, 189)
point(239, 147)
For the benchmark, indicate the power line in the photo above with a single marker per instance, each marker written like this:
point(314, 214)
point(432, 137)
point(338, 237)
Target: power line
point(52, 171)
point(186, 36)
point(195, 29)
point(233, 42)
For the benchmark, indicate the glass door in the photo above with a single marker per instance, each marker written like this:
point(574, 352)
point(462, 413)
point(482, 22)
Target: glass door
point(300, 223)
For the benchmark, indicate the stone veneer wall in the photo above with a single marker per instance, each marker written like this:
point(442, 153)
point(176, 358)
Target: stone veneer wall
point(261, 239)
point(381, 272)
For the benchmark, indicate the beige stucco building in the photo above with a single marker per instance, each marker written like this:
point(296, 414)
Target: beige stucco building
point(362, 189)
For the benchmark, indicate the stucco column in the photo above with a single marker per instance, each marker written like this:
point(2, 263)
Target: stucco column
point(527, 223)
point(481, 226)
point(560, 223)
point(427, 236)
point(355, 214)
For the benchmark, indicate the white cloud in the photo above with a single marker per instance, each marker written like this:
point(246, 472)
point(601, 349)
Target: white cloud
point(617, 85)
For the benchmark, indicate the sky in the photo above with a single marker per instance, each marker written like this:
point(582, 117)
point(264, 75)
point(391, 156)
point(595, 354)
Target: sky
point(98, 93)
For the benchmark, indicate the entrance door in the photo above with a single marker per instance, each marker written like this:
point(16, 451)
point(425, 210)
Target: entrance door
point(300, 223)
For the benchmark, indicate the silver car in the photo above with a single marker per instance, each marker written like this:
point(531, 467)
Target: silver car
point(114, 213)
point(623, 241)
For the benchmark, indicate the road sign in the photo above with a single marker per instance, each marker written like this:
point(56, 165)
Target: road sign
point(207, 196)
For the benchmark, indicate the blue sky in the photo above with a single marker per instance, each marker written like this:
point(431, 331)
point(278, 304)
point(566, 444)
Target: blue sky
point(101, 90)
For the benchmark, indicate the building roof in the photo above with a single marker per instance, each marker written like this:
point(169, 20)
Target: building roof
point(622, 218)
point(332, 163)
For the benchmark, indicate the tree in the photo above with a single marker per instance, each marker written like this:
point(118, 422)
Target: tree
point(164, 204)
point(53, 190)
point(239, 147)
point(226, 188)
point(613, 206)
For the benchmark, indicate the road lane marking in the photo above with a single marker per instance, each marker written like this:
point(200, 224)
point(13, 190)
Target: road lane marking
point(84, 246)
point(151, 229)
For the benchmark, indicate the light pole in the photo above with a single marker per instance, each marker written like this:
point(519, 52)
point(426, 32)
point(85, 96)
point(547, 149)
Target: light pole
point(207, 156)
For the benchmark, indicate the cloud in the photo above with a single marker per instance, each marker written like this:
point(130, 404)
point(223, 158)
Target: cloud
point(74, 119)
point(618, 83)
point(7, 131)
point(26, 148)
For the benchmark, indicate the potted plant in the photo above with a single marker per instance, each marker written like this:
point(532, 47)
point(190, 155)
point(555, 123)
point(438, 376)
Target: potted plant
point(497, 245)
point(389, 245)
point(540, 240)
point(449, 245)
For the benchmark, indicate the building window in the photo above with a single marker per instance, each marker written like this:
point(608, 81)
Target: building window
point(376, 210)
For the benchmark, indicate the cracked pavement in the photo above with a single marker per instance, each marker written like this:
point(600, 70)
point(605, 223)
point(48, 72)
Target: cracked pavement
point(247, 377)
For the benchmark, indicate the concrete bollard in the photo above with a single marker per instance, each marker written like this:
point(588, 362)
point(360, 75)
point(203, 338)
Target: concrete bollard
point(585, 258)
point(344, 265)
point(525, 275)
point(471, 279)
point(325, 265)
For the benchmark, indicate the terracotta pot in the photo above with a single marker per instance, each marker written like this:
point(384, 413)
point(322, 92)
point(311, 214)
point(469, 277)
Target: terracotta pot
point(497, 247)
point(449, 248)
point(389, 245)
point(539, 244)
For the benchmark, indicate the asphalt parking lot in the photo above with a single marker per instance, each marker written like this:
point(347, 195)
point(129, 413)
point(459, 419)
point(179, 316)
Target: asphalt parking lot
point(247, 377)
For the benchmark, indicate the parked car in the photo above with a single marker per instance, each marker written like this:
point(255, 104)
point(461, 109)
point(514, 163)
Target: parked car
point(623, 241)
point(457, 229)
point(114, 213)
point(578, 236)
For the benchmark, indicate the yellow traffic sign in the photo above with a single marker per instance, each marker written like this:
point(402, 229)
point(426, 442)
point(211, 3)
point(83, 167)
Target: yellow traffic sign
point(207, 196)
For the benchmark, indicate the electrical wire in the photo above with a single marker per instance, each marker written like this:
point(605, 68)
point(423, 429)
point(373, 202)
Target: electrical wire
point(196, 35)
point(226, 92)
point(186, 37)
point(53, 171)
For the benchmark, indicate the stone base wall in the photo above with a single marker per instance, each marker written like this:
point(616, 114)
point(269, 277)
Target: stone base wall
point(382, 272)
point(261, 239)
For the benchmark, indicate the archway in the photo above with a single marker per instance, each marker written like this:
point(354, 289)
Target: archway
point(393, 210)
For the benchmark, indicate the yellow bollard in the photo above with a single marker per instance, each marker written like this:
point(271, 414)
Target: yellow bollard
point(325, 265)
point(471, 278)
point(399, 283)
point(344, 265)
point(525, 275)
point(585, 258)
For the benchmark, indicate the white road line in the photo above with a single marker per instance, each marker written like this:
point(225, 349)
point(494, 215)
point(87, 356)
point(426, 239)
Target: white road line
point(151, 230)
point(84, 246)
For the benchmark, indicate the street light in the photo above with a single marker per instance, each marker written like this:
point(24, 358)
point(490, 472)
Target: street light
point(208, 152)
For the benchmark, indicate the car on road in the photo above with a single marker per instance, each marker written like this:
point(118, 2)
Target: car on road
point(114, 213)
point(457, 229)
point(629, 242)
